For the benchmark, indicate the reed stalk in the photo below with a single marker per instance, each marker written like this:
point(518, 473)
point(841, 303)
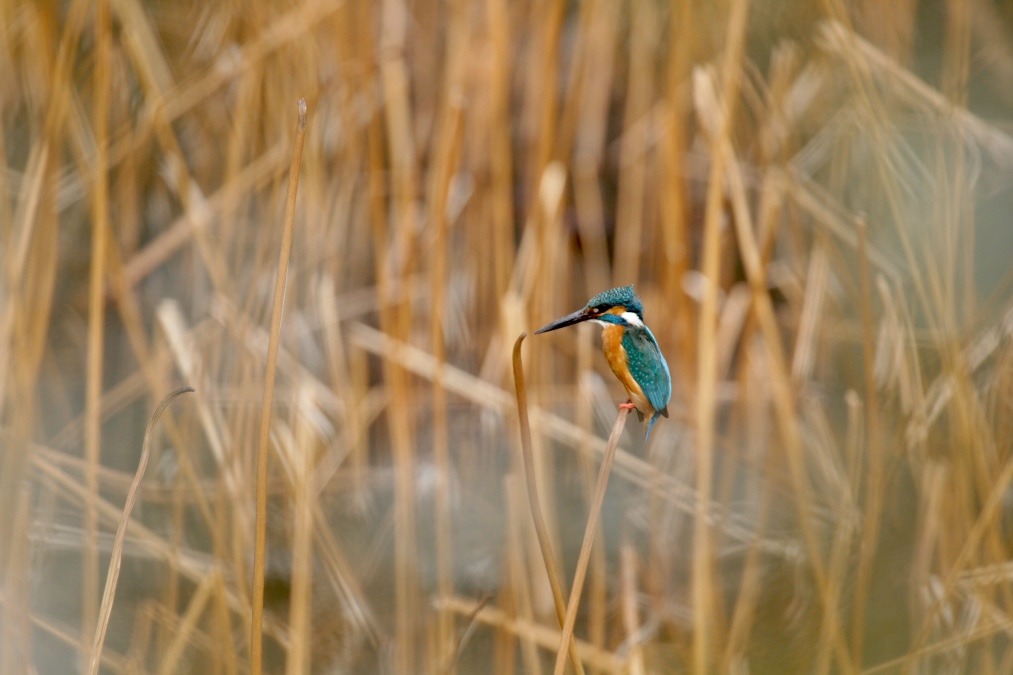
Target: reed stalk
point(260, 533)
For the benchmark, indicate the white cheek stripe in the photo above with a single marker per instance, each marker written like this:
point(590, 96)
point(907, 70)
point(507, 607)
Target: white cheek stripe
point(632, 319)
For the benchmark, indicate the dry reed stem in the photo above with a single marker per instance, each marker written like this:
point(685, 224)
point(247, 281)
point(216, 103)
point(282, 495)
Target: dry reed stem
point(223, 621)
point(300, 460)
point(630, 207)
point(875, 456)
point(544, 542)
point(542, 96)
point(260, 541)
point(597, 592)
point(538, 634)
point(395, 171)
point(116, 557)
point(447, 150)
point(591, 136)
point(839, 558)
point(628, 600)
point(519, 579)
point(804, 355)
point(96, 327)
point(675, 201)
point(585, 548)
point(574, 86)
point(704, 597)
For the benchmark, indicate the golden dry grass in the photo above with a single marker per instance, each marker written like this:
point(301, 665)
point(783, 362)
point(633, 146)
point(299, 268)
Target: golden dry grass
point(812, 200)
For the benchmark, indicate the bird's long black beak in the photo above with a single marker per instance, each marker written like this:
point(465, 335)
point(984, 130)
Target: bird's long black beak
point(568, 320)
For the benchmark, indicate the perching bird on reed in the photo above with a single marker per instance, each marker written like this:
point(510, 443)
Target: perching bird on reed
point(630, 348)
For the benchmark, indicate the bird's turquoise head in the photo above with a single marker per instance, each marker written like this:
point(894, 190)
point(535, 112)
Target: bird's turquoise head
point(618, 306)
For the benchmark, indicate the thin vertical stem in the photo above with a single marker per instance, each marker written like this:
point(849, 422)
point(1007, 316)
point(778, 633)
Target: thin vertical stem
point(703, 574)
point(541, 531)
point(447, 151)
point(260, 541)
point(589, 530)
point(519, 584)
point(395, 255)
point(116, 556)
point(301, 460)
point(873, 453)
point(96, 326)
point(628, 599)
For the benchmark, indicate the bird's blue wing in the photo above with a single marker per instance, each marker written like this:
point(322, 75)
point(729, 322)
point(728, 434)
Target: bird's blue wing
point(648, 366)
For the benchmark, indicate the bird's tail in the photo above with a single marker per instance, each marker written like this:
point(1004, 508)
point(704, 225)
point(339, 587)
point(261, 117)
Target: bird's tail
point(650, 424)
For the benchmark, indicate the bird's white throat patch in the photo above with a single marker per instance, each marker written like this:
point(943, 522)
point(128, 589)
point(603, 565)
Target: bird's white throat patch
point(632, 319)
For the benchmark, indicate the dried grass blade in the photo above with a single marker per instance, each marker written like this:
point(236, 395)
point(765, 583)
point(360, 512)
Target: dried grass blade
point(544, 542)
point(260, 543)
point(112, 577)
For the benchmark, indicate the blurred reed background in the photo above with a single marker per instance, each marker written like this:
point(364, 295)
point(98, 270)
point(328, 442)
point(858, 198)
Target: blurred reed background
point(813, 200)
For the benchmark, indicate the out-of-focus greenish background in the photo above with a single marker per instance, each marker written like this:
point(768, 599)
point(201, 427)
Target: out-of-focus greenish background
point(813, 200)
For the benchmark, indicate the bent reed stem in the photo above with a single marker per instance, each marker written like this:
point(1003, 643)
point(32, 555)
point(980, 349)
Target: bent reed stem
point(541, 531)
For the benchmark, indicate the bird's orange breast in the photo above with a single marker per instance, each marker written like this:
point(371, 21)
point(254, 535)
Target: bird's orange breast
point(612, 345)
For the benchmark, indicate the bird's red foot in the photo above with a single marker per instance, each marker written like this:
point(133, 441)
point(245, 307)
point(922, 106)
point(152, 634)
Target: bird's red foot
point(627, 406)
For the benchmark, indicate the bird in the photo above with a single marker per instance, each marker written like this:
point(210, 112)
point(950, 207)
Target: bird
point(630, 348)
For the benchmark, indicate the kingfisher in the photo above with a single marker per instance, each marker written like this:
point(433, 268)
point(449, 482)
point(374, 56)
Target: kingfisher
point(630, 348)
